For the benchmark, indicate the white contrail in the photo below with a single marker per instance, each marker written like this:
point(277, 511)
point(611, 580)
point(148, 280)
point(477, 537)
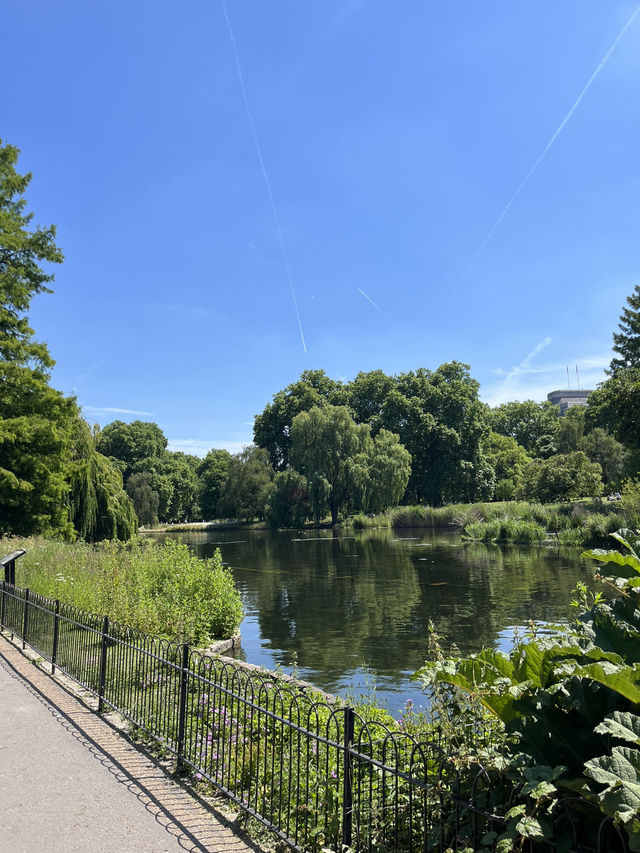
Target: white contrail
point(267, 182)
point(545, 151)
point(377, 307)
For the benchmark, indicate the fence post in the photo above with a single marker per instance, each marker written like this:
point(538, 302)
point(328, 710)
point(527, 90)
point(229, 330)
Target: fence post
point(56, 626)
point(103, 662)
point(183, 704)
point(347, 790)
point(4, 583)
point(25, 617)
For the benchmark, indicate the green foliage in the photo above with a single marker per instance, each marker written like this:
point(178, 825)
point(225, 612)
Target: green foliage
point(436, 415)
point(288, 504)
point(561, 477)
point(509, 461)
point(626, 342)
point(388, 467)
point(131, 442)
point(506, 530)
point(614, 406)
point(99, 507)
point(527, 422)
point(345, 467)
point(36, 422)
point(161, 589)
point(272, 428)
point(610, 454)
point(169, 489)
point(36, 432)
point(22, 251)
point(327, 446)
point(248, 485)
point(441, 422)
point(630, 501)
point(570, 430)
point(145, 501)
point(212, 474)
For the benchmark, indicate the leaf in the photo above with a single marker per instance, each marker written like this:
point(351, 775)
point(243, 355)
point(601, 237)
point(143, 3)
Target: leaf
point(529, 827)
point(623, 681)
point(538, 790)
point(516, 811)
point(629, 561)
point(620, 771)
point(621, 725)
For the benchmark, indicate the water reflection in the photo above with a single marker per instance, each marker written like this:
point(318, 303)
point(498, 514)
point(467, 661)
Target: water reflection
point(348, 609)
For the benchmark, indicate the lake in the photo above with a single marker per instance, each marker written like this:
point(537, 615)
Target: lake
point(349, 611)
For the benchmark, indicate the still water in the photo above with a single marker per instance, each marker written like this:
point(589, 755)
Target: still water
point(349, 612)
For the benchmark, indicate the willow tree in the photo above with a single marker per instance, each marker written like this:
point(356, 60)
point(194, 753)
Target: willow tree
point(99, 507)
point(347, 469)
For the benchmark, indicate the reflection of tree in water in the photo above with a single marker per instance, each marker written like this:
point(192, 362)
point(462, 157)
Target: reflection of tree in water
point(339, 601)
point(491, 587)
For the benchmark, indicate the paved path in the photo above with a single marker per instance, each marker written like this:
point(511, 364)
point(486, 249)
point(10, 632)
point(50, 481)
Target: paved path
point(70, 783)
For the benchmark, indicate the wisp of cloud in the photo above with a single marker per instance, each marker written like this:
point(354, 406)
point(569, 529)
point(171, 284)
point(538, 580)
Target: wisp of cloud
point(546, 149)
point(263, 168)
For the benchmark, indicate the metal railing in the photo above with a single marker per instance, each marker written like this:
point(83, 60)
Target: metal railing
point(318, 775)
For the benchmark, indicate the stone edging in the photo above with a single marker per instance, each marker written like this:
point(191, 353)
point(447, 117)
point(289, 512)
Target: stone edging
point(219, 648)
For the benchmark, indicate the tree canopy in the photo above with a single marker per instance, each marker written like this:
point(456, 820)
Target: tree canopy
point(272, 428)
point(626, 342)
point(345, 467)
point(132, 442)
point(527, 422)
point(52, 480)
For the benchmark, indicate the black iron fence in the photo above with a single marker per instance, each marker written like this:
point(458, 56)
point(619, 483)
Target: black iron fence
point(319, 775)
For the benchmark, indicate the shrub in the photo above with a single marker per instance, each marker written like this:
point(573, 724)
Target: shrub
point(159, 588)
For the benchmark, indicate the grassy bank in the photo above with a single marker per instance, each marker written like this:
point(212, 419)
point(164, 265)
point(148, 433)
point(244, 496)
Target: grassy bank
point(583, 523)
point(159, 588)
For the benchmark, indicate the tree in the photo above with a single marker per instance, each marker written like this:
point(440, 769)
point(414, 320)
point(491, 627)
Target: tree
point(21, 276)
point(626, 342)
point(212, 474)
point(248, 485)
point(366, 395)
point(173, 478)
point(325, 444)
point(614, 406)
point(272, 428)
point(145, 501)
point(388, 472)
point(509, 461)
point(561, 477)
point(36, 421)
point(570, 430)
point(288, 504)
point(441, 422)
point(99, 507)
point(528, 422)
point(612, 457)
point(36, 434)
point(131, 443)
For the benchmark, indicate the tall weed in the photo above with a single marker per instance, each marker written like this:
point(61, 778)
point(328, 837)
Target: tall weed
point(159, 588)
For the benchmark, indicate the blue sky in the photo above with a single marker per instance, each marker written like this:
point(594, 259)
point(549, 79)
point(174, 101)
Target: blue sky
point(313, 187)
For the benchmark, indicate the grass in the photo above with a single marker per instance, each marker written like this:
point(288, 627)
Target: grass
point(159, 588)
point(585, 523)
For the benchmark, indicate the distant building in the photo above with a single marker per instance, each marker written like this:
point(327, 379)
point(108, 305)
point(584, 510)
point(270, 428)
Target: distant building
point(567, 399)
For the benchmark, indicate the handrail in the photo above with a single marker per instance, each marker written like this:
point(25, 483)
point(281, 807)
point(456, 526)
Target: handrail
point(9, 563)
